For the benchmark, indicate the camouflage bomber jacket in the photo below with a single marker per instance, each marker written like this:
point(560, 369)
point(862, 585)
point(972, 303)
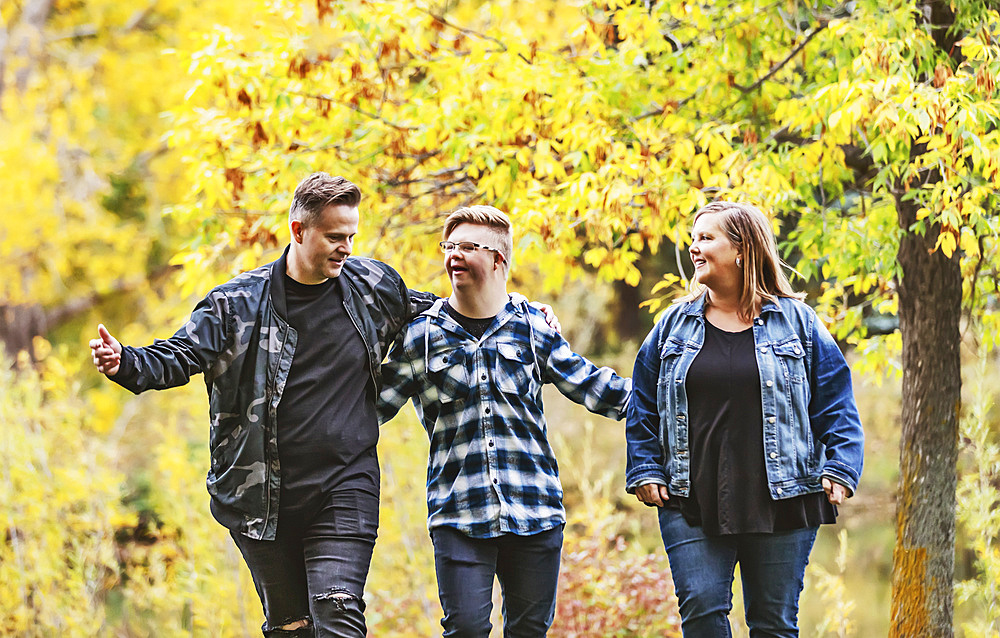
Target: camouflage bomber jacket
point(238, 336)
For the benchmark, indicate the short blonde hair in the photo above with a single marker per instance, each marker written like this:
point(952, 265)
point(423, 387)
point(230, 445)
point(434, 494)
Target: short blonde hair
point(494, 219)
point(749, 231)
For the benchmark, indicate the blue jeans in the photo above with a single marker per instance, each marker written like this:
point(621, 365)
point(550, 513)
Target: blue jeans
point(526, 566)
point(316, 567)
point(772, 567)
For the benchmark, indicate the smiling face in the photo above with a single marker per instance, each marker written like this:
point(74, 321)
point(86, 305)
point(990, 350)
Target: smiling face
point(318, 250)
point(471, 271)
point(714, 254)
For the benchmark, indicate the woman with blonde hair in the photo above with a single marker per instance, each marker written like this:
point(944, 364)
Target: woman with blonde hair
point(743, 430)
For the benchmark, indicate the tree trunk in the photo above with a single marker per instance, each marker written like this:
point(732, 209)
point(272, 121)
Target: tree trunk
point(19, 325)
point(930, 298)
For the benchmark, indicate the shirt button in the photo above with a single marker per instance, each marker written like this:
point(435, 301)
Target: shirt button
point(778, 491)
point(491, 443)
point(483, 377)
point(497, 481)
point(519, 353)
point(770, 419)
point(487, 410)
point(795, 349)
point(763, 349)
point(773, 455)
point(769, 383)
point(445, 359)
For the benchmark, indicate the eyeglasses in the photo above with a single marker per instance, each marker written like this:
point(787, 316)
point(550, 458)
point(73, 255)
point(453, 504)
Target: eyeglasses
point(467, 247)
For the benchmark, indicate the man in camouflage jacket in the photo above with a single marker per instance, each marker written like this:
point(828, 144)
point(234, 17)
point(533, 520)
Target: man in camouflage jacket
point(243, 336)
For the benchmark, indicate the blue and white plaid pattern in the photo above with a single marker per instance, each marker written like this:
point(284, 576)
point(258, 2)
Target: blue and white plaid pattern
point(491, 470)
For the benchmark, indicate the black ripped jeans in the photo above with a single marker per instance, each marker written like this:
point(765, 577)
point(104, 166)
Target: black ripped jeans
point(316, 568)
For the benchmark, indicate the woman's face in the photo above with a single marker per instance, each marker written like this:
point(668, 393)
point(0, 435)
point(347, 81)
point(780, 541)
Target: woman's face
point(713, 254)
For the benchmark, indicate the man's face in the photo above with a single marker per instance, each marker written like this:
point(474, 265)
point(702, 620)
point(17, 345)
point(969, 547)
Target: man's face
point(471, 270)
point(323, 246)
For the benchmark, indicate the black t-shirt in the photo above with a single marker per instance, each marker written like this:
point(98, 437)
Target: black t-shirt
point(327, 424)
point(729, 490)
point(475, 327)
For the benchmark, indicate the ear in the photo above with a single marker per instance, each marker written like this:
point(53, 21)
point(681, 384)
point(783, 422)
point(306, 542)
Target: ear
point(296, 227)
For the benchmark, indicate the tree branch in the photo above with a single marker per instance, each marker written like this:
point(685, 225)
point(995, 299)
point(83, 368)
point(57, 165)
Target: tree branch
point(477, 34)
point(777, 67)
point(373, 116)
point(33, 20)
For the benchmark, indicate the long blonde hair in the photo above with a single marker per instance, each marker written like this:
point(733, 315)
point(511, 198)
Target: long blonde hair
point(749, 231)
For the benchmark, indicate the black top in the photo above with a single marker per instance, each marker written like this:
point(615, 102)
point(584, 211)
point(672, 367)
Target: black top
point(729, 490)
point(327, 424)
point(475, 327)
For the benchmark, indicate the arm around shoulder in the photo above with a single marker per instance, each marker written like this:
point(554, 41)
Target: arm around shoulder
point(598, 388)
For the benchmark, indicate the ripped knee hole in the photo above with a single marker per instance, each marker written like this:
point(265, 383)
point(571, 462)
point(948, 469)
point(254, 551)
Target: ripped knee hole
point(339, 596)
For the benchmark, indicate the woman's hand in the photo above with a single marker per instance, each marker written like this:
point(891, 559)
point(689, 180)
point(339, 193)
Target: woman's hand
point(835, 492)
point(652, 494)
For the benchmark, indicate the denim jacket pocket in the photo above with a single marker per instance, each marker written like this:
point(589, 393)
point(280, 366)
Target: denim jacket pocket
point(515, 368)
point(671, 348)
point(670, 354)
point(447, 371)
point(791, 358)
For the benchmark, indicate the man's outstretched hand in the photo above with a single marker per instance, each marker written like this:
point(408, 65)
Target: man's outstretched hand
point(107, 352)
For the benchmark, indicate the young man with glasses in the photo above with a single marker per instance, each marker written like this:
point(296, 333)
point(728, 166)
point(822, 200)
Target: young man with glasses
point(474, 364)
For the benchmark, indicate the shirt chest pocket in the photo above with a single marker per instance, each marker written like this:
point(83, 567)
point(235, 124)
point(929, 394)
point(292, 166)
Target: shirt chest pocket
point(791, 358)
point(448, 372)
point(514, 373)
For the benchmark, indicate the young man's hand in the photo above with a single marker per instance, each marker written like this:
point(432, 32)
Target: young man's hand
point(106, 351)
point(550, 315)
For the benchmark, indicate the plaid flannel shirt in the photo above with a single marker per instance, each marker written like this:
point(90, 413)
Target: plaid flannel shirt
point(491, 469)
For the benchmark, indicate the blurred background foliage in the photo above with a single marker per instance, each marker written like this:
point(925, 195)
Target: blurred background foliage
point(149, 150)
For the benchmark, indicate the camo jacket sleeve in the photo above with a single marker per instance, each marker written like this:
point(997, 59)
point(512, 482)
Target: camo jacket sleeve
point(169, 363)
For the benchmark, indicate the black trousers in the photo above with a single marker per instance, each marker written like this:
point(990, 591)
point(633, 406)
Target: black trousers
point(526, 566)
point(316, 567)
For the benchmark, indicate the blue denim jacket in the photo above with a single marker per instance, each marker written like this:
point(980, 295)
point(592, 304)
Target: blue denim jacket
point(811, 425)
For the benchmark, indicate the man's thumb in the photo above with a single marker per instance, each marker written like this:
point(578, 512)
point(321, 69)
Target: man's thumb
point(105, 335)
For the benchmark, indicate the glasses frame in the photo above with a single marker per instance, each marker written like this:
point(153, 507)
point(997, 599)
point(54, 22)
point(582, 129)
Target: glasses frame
point(456, 245)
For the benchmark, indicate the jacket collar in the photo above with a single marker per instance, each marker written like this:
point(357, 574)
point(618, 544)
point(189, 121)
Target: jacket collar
point(516, 305)
point(696, 307)
point(277, 291)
